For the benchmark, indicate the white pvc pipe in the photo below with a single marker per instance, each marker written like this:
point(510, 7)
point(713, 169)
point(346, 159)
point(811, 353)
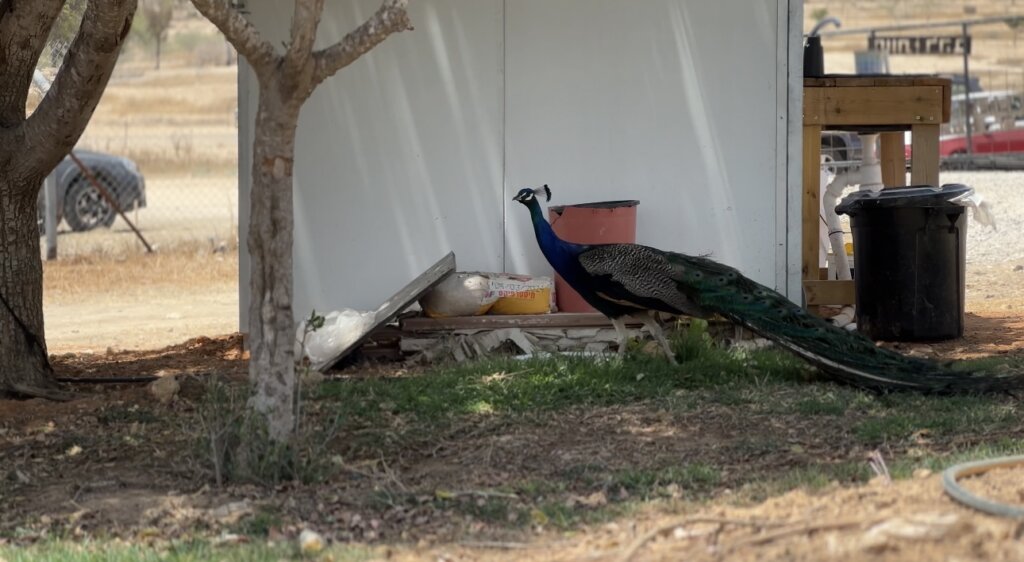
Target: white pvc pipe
point(869, 177)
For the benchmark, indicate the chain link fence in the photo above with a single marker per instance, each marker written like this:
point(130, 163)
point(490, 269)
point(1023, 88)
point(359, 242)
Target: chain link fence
point(157, 165)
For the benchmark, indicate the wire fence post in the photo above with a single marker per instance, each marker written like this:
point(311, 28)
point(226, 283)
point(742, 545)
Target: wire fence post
point(50, 214)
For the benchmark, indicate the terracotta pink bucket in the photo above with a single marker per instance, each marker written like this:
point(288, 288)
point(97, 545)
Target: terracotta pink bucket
point(605, 222)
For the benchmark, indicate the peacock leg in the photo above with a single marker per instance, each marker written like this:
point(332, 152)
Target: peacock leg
point(620, 329)
point(651, 322)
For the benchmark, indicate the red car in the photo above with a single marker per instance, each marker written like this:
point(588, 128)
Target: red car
point(989, 142)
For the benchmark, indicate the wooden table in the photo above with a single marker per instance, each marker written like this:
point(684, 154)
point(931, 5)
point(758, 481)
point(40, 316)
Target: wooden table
point(888, 105)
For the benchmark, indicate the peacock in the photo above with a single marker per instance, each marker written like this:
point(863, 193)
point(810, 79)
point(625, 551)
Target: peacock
point(632, 280)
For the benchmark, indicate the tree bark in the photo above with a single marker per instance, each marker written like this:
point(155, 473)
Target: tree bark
point(285, 80)
point(29, 148)
point(24, 366)
point(271, 234)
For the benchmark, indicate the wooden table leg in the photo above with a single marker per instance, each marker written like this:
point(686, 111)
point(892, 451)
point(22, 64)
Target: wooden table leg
point(894, 159)
point(811, 206)
point(924, 158)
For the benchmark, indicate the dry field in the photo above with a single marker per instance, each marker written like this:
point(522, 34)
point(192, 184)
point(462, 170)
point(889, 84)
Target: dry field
point(997, 50)
point(178, 124)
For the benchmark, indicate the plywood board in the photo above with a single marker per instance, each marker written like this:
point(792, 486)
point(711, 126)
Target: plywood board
point(398, 302)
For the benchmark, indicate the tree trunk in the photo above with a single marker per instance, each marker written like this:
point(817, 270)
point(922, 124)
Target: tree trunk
point(24, 366)
point(158, 53)
point(271, 325)
point(285, 82)
point(30, 147)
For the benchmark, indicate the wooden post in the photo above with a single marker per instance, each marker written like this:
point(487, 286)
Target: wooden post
point(894, 159)
point(811, 206)
point(924, 143)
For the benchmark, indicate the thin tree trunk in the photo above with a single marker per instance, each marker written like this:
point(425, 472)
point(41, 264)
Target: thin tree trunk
point(158, 53)
point(285, 82)
point(271, 325)
point(24, 366)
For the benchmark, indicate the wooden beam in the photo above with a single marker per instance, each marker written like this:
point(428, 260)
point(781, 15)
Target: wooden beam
point(810, 207)
point(877, 80)
point(893, 158)
point(829, 292)
point(924, 157)
point(814, 106)
point(876, 105)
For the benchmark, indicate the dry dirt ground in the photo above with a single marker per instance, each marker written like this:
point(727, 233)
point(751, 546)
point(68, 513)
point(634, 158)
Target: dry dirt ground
point(116, 462)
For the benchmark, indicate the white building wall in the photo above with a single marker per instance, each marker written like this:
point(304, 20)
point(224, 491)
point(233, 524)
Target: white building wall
point(417, 148)
point(666, 101)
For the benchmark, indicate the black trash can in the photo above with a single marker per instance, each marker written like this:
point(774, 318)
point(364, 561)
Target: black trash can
point(909, 247)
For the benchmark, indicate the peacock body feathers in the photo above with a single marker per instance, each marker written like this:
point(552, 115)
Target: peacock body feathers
point(632, 280)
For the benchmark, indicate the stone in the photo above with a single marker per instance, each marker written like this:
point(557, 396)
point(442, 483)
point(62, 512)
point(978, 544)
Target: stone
point(164, 389)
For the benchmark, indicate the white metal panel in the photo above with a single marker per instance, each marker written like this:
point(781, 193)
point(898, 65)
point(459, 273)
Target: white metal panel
point(682, 104)
point(672, 102)
point(792, 51)
point(399, 156)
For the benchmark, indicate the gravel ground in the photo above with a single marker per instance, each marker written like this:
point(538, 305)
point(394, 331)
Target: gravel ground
point(1004, 192)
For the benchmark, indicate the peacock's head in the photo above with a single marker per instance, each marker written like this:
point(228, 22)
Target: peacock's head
point(526, 194)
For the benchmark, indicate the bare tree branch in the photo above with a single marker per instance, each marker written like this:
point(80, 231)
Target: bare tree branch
point(305, 22)
point(55, 126)
point(390, 18)
point(24, 27)
point(244, 36)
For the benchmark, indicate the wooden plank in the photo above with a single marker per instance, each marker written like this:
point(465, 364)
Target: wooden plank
point(924, 157)
point(947, 100)
point(811, 208)
point(398, 302)
point(876, 105)
point(497, 322)
point(829, 292)
point(889, 80)
point(814, 106)
point(893, 158)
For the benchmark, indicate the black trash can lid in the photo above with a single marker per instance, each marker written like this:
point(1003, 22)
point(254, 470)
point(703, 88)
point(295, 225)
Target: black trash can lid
point(910, 196)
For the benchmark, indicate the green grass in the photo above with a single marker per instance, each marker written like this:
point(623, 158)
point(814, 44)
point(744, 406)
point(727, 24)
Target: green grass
point(764, 382)
point(118, 551)
point(126, 415)
point(898, 417)
point(507, 386)
point(741, 390)
point(760, 382)
point(694, 480)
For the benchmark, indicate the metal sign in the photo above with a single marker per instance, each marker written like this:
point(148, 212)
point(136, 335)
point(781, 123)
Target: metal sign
point(926, 45)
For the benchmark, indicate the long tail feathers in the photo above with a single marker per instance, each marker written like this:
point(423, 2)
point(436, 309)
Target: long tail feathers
point(846, 356)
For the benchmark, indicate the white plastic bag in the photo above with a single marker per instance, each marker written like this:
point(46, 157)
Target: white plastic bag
point(340, 330)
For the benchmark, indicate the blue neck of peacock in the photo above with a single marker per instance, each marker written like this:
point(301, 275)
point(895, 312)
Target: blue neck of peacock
point(559, 253)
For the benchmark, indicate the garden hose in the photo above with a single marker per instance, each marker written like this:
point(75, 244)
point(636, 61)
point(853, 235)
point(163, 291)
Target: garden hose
point(960, 494)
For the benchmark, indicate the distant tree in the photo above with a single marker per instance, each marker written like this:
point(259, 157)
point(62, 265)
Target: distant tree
point(819, 14)
point(156, 15)
point(30, 147)
point(285, 81)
